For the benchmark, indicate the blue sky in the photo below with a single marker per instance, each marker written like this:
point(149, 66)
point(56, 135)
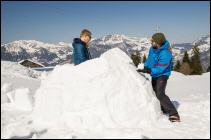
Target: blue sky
point(62, 21)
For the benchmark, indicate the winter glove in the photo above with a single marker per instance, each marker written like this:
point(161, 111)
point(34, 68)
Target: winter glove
point(145, 70)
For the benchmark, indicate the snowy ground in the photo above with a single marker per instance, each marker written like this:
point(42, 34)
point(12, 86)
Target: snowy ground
point(22, 104)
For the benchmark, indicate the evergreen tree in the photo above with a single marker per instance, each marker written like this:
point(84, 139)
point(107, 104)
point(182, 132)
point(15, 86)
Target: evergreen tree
point(144, 58)
point(177, 66)
point(185, 68)
point(195, 62)
point(186, 58)
point(208, 69)
point(136, 58)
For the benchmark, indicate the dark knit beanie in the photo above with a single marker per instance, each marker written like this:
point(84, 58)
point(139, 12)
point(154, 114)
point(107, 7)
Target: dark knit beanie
point(159, 38)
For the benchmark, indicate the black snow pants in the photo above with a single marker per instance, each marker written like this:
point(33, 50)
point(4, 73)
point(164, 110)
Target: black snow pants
point(159, 86)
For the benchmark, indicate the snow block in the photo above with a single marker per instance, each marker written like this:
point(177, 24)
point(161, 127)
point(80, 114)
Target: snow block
point(7, 87)
point(21, 99)
point(102, 92)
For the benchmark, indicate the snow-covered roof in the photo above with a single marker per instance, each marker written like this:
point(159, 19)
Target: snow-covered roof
point(31, 61)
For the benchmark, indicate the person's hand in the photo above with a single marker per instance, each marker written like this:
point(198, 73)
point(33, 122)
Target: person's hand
point(140, 70)
point(145, 70)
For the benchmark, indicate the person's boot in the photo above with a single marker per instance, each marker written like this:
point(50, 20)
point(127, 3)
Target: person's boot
point(174, 118)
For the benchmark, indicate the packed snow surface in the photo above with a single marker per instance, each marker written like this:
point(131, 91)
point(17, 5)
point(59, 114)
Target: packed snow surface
point(100, 98)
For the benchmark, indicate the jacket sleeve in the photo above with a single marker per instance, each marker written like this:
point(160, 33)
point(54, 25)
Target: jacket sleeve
point(164, 62)
point(81, 55)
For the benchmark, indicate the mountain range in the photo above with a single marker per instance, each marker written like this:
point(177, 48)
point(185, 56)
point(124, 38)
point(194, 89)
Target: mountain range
point(60, 53)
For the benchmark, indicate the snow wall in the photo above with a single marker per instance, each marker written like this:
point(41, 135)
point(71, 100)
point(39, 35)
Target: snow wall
point(105, 92)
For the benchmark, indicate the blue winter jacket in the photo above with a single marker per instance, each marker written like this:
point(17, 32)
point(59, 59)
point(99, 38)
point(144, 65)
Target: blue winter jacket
point(160, 60)
point(80, 51)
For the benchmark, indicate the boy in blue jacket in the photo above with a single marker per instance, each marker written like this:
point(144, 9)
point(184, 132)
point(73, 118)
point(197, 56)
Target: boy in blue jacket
point(159, 65)
point(80, 47)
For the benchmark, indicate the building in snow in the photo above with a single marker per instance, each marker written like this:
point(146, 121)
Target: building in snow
point(30, 63)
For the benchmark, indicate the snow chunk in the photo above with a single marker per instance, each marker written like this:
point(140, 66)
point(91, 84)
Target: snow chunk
point(21, 99)
point(5, 88)
point(14, 69)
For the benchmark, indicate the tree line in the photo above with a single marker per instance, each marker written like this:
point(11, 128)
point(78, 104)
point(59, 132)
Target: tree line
point(188, 65)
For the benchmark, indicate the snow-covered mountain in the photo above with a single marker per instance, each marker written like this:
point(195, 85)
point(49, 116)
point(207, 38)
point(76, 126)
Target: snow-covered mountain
point(52, 54)
point(204, 49)
point(127, 44)
point(131, 44)
point(182, 46)
point(45, 53)
point(203, 44)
